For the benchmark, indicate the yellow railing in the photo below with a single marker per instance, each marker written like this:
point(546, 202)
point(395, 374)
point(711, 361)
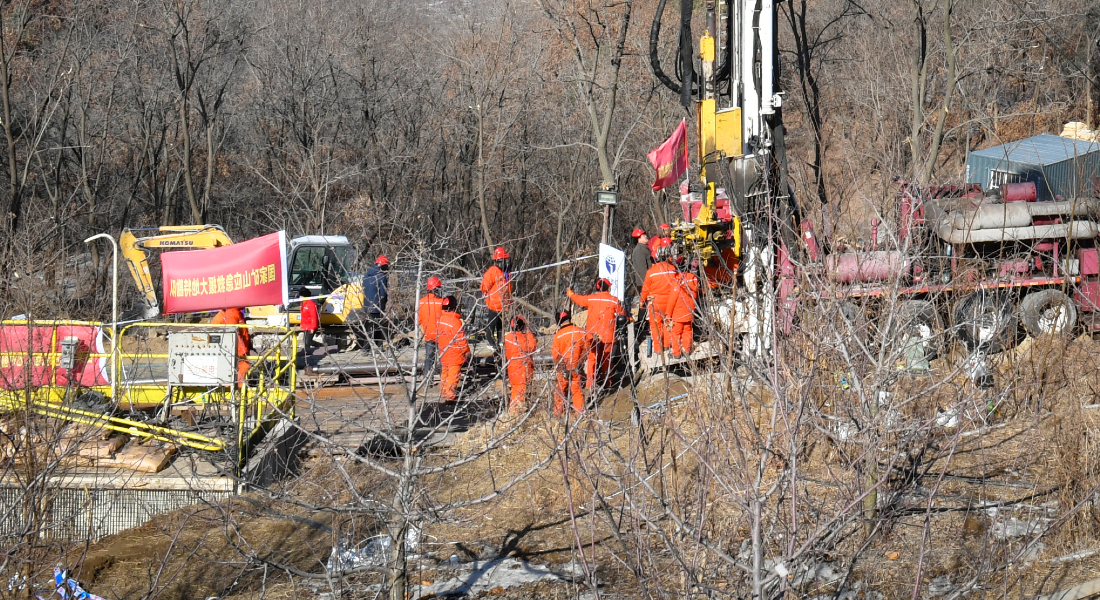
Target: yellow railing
point(266, 394)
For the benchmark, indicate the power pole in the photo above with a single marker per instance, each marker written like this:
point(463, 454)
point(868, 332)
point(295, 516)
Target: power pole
point(607, 198)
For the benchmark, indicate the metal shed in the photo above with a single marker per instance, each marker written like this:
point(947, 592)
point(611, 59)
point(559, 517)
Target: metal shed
point(1059, 166)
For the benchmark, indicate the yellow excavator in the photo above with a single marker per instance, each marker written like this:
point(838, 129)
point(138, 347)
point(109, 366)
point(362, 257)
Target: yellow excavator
point(319, 268)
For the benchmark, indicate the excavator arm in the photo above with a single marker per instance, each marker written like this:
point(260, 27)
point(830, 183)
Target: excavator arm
point(189, 237)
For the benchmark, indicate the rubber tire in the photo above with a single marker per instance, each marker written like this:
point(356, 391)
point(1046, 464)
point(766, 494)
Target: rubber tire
point(968, 319)
point(919, 317)
point(1034, 306)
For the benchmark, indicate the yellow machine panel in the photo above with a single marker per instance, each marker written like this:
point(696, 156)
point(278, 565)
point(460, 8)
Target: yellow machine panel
point(727, 132)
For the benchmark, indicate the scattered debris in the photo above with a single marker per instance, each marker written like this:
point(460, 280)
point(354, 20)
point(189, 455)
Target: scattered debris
point(1032, 553)
point(1073, 556)
point(948, 419)
point(479, 577)
point(65, 587)
point(940, 586)
point(371, 552)
point(977, 369)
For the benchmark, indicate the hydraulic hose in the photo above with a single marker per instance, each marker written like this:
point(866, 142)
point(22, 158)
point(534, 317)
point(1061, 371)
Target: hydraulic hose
point(683, 53)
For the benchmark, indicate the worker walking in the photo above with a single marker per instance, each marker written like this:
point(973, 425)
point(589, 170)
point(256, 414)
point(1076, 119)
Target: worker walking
point(310, 321)
point(496, 288)
point(660, 281)
point(681, 309)
point(233, 316)
point(375, 296)
point(519, 349)
point(453, 348)
point(569, 350)
point(603, 310)
point(428, 312)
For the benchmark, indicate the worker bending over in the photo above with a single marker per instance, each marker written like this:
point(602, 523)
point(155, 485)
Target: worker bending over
point(569, 351)
point(660, 281)
point(454, 351)
point(681, 308)
point(428, 312)
point(496, 288)
point(603, 310)
point(233, 316)
point(519, 348)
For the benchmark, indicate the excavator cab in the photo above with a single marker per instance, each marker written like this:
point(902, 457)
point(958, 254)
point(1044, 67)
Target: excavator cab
point(318, 265)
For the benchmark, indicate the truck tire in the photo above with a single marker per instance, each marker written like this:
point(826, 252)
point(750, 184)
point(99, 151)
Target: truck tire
point(1048, 312)
point(918, 320)
point(985, 321)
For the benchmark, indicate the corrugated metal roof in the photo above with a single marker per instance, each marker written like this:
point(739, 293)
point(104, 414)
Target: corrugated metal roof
point(1044, 149)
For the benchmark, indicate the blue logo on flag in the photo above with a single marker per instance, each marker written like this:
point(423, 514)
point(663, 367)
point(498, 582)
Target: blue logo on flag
point(609, 264)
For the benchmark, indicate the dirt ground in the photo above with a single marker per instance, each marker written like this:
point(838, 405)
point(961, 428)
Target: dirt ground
point(1019, 459)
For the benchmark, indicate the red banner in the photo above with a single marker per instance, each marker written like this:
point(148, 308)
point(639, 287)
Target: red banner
point(29, 356)
point(251, 273)
point(670, 158)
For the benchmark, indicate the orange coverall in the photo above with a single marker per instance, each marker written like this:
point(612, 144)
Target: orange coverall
point(603, 308)
point(681, 311)
point(497, 289)
point(660, 281)
point(233, 316)
point(454, 352)
point(519, 346)
point(428, 313)
point(569, 351)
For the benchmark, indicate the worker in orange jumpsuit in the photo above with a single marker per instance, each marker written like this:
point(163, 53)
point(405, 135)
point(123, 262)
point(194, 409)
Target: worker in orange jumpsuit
point(681, 310)
point(233, 316)
point(310, 321)
point(496, 288)
point(660, 281)
point(569, 350)
point(603, 310)
point(427, 316)
point(453, 348)
point(519, 348)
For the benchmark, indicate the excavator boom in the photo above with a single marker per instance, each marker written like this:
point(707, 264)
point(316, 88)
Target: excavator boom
point(190, 237)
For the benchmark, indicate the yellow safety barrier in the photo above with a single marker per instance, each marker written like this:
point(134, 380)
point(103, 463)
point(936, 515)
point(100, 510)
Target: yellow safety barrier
point(265, 394)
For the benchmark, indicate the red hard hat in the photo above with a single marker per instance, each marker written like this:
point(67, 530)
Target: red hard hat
point(605, 281)
point(382, 260)
point(665, 226)
point(434, 283)
point(500, 253)
point(665, 242)
point(639, 232)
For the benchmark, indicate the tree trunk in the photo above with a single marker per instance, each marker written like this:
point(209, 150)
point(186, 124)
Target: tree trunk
point(185, 123)
point(14, 202)
point(948, 94)
point(481, 179)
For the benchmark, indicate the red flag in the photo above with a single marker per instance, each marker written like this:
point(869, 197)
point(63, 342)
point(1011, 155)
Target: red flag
point(251, 273)
point(671, 158)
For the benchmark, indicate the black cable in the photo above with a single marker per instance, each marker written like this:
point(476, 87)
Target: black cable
point(654, 60)
point(683, 50)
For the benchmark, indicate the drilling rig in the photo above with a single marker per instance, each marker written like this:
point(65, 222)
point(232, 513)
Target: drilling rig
point(740, 220)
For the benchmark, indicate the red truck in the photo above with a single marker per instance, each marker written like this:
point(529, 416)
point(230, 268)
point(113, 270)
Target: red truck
point(982, 261)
